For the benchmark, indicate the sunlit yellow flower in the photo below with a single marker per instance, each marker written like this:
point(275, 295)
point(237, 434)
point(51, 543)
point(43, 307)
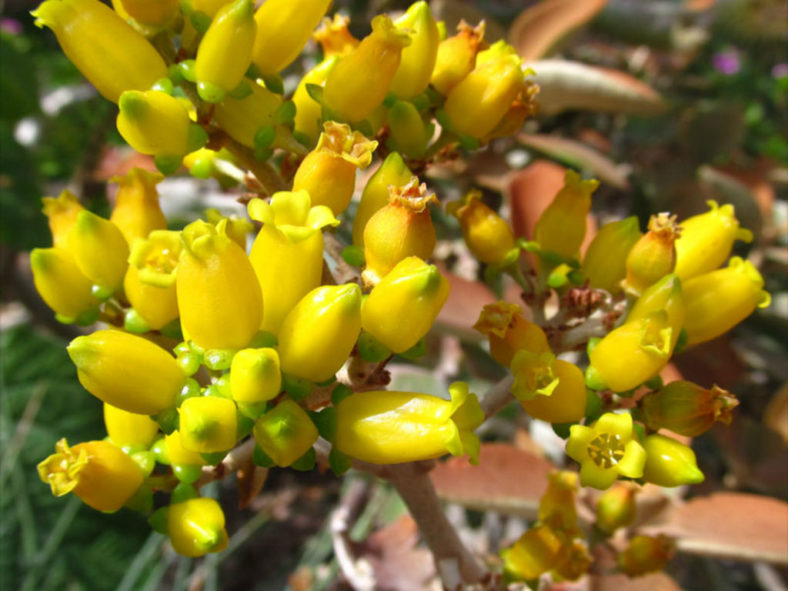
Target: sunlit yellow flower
point(487, 234)
point(128, 428)
point(533, 554)
point(557, 505)
point(285, 433)
point(99, 250)
point(255, 375)
point(137, 211)
point(550, 389)
point(456, 57)
point(654, 255)
point(98, 472)
point(61, 284)
point(208, 424)
point(388, 427)
point(606, 450)
point(418, 58)
point(149, 284)
point(334, 37)
point(509, 332)
point(604, 263)
point(196, 527)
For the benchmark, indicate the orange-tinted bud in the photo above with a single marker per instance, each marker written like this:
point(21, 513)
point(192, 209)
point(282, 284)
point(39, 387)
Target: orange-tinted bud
point(616, 508)
point(61, 212)
point(487, 235)
point(456, 57)
point(686, 408)
point(401, 229)
point(334, 37)
point(137, 212)
point(509, 332)
point(645, 554)
point(654, 255)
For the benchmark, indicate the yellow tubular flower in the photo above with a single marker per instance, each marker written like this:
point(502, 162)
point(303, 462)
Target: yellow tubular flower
point(670, 463)
point(487, 235)
point(243, 118)
point(456, 57)
point(149, 283)
point(285, 433)
point(61, 212)
point(177, 454)
point(707, 240)
point(401, 229)
point(291, 232)
point(255, 375)
point(562, 226)
point(605, 260)
point(208, 424)
point(533, 375)
point(418, 58)
point(352, 97)
point(225, 51)
point(665, 295)
point(646, 554)
point(107, 50)
point(567, 401)
point(401, 309)
point(557, 506)
point(388, 427)
point(328, 173)
point(287, 27)
point(509, 332)
point(196, 527)
point(127, 371)
point(129, 428)
point(99, 250)
point(533, 554)
point(308, 111)
point(606, 450)
point(334, 37)
point(408, 130)
point(137, 211)
point(238, 228)
point(61, 284)
point(654, 255)
point(153, 14)
point(219, 297)
point(718, 301)
point(375, 196)
point(616, 508)
point(487, 92)
point(98, 472)
point(319, 333)
point(523, 106)
point(686, 408)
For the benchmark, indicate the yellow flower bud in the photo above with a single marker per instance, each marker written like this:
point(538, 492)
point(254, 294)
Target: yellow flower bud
point(418, 58)
point(509, 332)
point(686, 408)
point(308, 111)
point(129, 428)
point(207, 7)
point(487, 235)
point(616, 508)
point(98, 472)
point(562, 226)
point(319, 333)
point(605, 260)
point(153, 14)
point(225, 51)
point(107, 50)
point(149, 284)
point(196, 527)
point(285, 27)
point(557, 505)
point(645, 554)
point(566, 403)
point(61, 284)
point(376, 194)
point(334, 37)
point(285, 433)
point(328, 173)
point(670, 463)
point(177, 454)
point(456, 57)
point(533, 554)
point(127, 371)
point(665, 295)
point(219, 297)
point(99, 250)
point(401, 229)
point(707, 240)
point(718, 301)
point(523, 106)
point(606, 450)
point(208, 424)
point(137, 211)
point(255, 375)
point(61, 212)
point(409, 134)
point(352, 97)
point(388, 427)
point(487, 92)
point(401, 309)
point(654, 255)
point(155, 123)
point(290, 232)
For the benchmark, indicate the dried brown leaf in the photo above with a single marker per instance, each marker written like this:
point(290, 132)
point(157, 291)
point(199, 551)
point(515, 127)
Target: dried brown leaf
point(507, 480)
point(652, 582)
point(539, 27)
point(461, 310)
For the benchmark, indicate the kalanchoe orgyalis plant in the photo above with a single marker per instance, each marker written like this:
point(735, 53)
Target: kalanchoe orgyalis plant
point(209, 349)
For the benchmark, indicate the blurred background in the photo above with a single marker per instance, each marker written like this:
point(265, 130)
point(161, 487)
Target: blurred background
point(668, 103)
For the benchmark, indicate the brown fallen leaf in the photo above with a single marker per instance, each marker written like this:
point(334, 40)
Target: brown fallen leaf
point(539, 27)
point(507, 480)
point(461, 310)
point(652, 582)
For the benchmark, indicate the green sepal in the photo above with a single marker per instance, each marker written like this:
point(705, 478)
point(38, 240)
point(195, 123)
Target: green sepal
point(200, 21)
point(353, 255)
point(339, 462)
point(421, 101)
point(160, 451)
point(594, 380)
point(302, 138)
point(326, 422)
point(442, 117)
point(163, 85)
point(469, 143)
point(146, 460)
point(594, 406)
point(186, 69)
point(197, 137)
point(365, 127)
point(252, 410)
point(191, 389)
point(65, 319)
point(218, 359)
point(305, 462)
point(101, 292)
point(87, 317)
point(264, 137)
point(158, 520)
point(370, 349)
point(245, 426)
point(183, 492)
point(654, 383)
point(274, 83)
point(681, 342)
point(182, 348)
point(168, 420)
point(327, 382)
point(172, 330)
point(253, 72)
point(167, 165)
point(591, 345)
point(491, 274)
point(210, 92)
point(189, 363)
point(175, 73)
point(339, 393)
point(187, 474)
point(264, 339)
point(639, 430)
point(561, 429)
point(416, 351)
point(285, 113)
point(315, 92)
point(214, 458)
point(260, 458)
point(141, 501)
point(241, 91)
point(390, 100)
point(296, 388)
